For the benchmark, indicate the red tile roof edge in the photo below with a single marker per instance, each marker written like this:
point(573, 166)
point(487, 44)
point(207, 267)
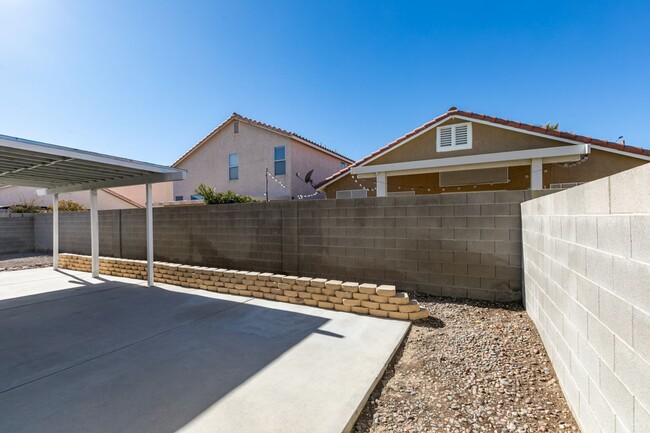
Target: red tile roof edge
point(497, 120)
point(237, 116)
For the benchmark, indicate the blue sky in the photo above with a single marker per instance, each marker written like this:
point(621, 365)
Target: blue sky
point(148, 79)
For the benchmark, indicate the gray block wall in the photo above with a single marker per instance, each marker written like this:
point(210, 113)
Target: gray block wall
point(587, 288)
point(16, 233)
point(464, 245)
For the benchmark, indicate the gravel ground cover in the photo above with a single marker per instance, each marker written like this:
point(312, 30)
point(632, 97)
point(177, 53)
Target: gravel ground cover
point(17, 261)
point(471, 367)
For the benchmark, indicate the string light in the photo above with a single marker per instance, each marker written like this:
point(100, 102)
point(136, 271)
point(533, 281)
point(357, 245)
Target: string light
point(273, 177)
point(301, 196)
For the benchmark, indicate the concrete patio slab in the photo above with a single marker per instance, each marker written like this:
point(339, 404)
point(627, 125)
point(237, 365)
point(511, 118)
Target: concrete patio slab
point(111, 355)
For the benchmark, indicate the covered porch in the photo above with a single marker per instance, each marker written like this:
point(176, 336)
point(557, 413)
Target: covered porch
point(514, 170)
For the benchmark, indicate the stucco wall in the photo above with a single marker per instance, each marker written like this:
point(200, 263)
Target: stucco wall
point(305, 158)
point(599, 164)
point(255, 146)
point(587, 288)
point(429, 184)
point(105, 201)
point(486, 139)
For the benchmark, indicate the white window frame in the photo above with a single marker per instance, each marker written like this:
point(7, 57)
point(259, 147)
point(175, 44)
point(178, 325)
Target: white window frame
point(454, 146)
point(275, 161)
point(233, 166)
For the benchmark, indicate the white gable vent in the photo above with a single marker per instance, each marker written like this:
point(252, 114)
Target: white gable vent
point(454, 137)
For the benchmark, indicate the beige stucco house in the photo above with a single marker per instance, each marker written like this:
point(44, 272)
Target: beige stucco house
point(125, 197)
point(237, 153)
point(465, 151)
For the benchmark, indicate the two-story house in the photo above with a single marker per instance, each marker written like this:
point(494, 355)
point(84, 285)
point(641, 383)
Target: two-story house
point(236, 155)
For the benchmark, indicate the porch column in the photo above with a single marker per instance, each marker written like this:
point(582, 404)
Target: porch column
point(94, 233)
point(382, 184)
point(55, 232)
point(150, 271)
point(536, 174)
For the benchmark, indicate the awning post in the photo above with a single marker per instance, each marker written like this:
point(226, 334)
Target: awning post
point(55, 232)
point(382, 184)
point(536, 174)
point(94, 233)
point(150, 275)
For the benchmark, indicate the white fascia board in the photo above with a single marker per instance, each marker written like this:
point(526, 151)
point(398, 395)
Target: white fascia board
point(620, 152)
point(127, 181)
point(83, 155)
point(475, 160)
point(471, 119)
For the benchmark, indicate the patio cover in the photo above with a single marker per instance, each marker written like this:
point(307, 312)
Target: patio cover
point(58, 169)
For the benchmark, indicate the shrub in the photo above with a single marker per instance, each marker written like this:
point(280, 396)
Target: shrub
point(68, 206)
point(210, 196)
point(26, 206)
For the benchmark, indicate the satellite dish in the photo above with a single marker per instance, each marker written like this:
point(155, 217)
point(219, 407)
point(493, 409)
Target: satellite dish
point(308, 176)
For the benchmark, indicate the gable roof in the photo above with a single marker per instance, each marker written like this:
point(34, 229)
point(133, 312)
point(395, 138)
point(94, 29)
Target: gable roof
point(454, 112)
point(284, 132)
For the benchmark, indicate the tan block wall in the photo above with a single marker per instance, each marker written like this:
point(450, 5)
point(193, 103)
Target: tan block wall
point(368, 299)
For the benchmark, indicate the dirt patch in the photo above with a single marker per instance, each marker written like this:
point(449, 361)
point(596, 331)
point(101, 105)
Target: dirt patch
point(471, 367)
point(15, 262)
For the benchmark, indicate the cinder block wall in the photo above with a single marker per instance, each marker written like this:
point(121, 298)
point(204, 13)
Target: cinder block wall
point(587, 288)
point(464, 245)
point(16, 233)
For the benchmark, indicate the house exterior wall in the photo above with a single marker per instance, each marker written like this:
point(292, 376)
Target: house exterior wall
point(255, 147)
point(485, 139)
point(162, 192)
point(586, 275)
point(488, 139)
point(305, 158)
point(15, 194)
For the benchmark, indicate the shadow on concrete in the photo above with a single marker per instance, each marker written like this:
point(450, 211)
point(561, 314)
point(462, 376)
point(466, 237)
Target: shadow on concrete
point(129, 358)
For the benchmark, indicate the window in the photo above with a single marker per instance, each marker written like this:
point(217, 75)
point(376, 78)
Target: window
point(352, 193)
point(233, 166)
point(454, 137)
point(197, 197)
point(178, 198)
point(280, 161)
point(235, 126)
point(342, 164)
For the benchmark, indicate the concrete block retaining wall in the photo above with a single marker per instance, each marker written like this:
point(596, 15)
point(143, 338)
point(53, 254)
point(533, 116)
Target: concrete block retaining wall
point(351, 297)
point(464, 245)
point(587, 288)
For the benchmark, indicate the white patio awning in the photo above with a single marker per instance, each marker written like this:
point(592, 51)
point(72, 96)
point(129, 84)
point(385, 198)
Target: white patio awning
point(58, 169)
point(63, 169)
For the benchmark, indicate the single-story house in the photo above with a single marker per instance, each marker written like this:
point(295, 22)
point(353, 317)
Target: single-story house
point(465, 151)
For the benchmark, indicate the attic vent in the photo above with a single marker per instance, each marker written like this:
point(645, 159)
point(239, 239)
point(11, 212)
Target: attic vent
point(236, 126)
point(454, 137)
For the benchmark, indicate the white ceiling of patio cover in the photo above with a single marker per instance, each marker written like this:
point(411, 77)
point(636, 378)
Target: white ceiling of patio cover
point(63, 169)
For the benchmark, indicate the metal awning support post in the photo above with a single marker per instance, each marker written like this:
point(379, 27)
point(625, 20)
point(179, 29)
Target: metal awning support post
point(94, 233)
point(150, 274)
point(55, 232)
